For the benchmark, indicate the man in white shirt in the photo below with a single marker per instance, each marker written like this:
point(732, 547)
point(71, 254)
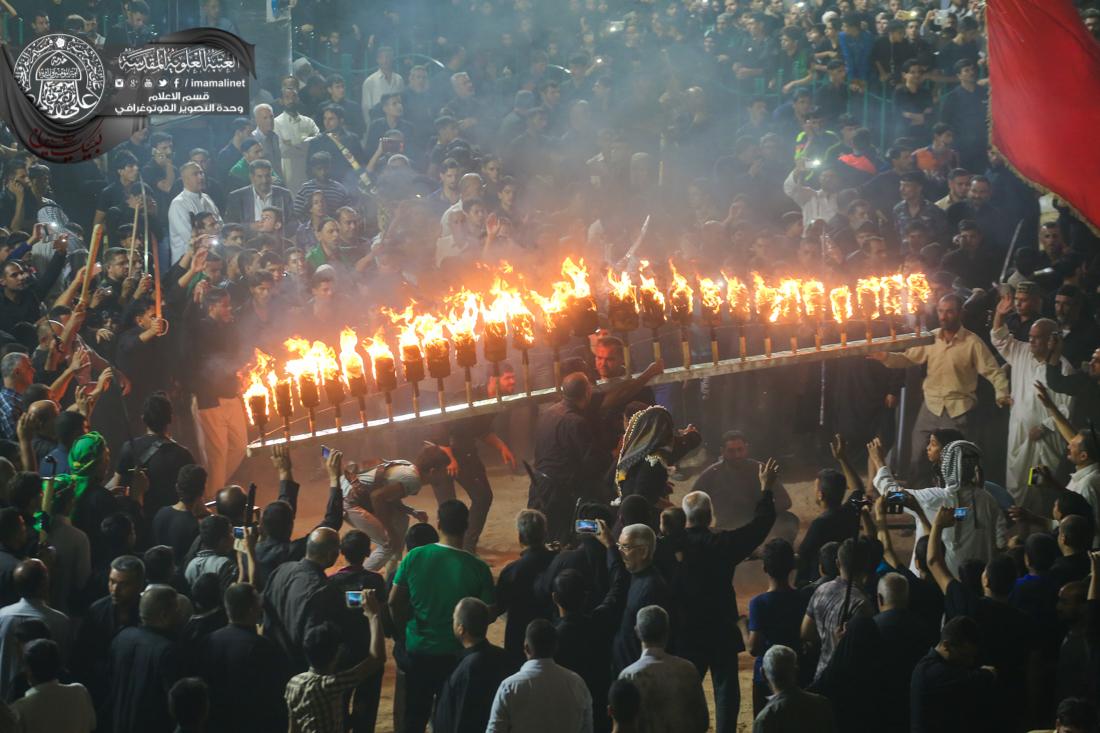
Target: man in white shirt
point(382, 82)
point(190, 201)
point(49, 706)
point(1033, 438)
point(815, 204)
point(32, 581)
point(294, 131)
point(1083, 451)
point(672, 693)
point(542, 697)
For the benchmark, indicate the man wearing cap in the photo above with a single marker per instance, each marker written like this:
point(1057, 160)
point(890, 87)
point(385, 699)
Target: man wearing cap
point(915, 207)
point(1027, 306)
point(972, 261)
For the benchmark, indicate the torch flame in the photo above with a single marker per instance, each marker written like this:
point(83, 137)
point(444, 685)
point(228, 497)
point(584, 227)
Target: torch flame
point(648, 287)
point(263, 369)
point(892, 287)
point(508, 308)
point(841, 301)
point(680, 294)
point(710, 296)
point(766, 298)
point(465, 307)
point(578, 273)
point(867, 293)
point(813, 298)
point(350, 359)
point(622, 289)
point(919, 291)
point(788, 303)
point(377, 348)
point(737, 295)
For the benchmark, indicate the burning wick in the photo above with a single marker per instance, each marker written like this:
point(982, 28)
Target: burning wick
point(310, 397)
point(283, 405)
point(466, 357)
point(385, 379)
point(413, 362)
point(439, 366)
point(680, 303)
point(257, 407)
point(653, 309)
point(496, 348)
point(710, 298)
point(352, 363)
point(334, 390)
point(622, 310)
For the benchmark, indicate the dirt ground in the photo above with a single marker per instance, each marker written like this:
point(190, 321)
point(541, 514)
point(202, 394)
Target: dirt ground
point(499, 547)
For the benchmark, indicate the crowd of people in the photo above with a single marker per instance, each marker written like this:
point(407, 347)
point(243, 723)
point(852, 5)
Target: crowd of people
point(145, 588)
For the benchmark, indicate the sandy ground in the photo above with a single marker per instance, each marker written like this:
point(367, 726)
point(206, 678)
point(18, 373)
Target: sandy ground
point(499, 547)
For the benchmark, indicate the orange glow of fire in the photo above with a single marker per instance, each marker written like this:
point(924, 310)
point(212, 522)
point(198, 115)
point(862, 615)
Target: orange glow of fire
point(765, 298)
point(350, 359)
point(919, 291)
point(813, 298)
point(867, 294)
point(377, 349)
point(680, 294)
point(788, 301)
point(508, 308)
point(841, 301)
point(578, 273)
point(710, 297)
point(261, 380)
point(737, 295)
point(622, 290)
point(461, 323)
point(892, 288)
point(648, 288)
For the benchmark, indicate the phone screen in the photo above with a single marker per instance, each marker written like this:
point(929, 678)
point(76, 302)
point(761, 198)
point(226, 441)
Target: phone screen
point(238, 533)
point(589, 526)
point(353, 598)
point(961, 513)
point(325, 451)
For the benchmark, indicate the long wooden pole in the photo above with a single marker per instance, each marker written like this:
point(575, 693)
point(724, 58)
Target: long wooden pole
point(93, 257)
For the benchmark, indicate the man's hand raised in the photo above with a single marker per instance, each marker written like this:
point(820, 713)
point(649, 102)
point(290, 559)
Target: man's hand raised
point(769, 471)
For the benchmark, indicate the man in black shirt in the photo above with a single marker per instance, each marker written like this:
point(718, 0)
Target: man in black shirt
point(638, 545)
point(127, 173)
point(974, 261)
point(949, 693)
point(460, 444)
point(155, 453)
point(516, 594)
point(246, 672)
point(21, 300)
point(464, 703)
point(177, 526)
point(18, 204)
point(144, 356)
point(836, 523)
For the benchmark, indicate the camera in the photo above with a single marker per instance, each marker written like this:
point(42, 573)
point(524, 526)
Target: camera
point(962, 513)
point(587, 526)
point(895, 502)
point(238, 533)
point(354, 598)
point(392, 146)
point(1035, 476)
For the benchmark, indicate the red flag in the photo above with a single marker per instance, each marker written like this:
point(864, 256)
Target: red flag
point(1044, 80)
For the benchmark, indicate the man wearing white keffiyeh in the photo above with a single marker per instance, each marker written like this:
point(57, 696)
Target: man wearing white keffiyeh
point(983, 531)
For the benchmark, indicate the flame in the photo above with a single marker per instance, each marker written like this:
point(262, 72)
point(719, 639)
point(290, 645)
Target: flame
point(377, 348)
point(622, 289)
point(710, 297)
point(263, 369)
point(578, 273)
point(867, 294)
point(461, 323)
point(813, 298)
point(648, 289)
point(680, 294)
point(919, 291)
point(841, 301)
point(766, 298)
point(737, 295)
point(788, 302)
point(554, 308)
point(891, 287)
point(350, 360)
point(508, 308)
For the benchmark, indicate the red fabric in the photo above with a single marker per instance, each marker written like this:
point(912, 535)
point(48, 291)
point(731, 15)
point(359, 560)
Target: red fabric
point(1044, 80)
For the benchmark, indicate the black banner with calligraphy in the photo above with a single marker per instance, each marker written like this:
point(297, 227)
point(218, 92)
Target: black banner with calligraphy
point(65, 104)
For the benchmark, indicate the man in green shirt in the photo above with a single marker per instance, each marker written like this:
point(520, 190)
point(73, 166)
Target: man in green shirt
point(429, 583)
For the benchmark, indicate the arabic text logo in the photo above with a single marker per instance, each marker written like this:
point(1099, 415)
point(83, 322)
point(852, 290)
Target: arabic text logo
point(63, 75)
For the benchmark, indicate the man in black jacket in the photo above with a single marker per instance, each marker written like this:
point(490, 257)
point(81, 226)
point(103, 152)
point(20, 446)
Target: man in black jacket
point(516, 595)
point(295, 599)
point(245, 205)
point(948, 691)
point(638, 545)
point(247, 673)
point(466, 700)
point(710, 638)
point(218, 410)
point(277, 520)
point(584, 636)
point(836, 523)
point(143, 664)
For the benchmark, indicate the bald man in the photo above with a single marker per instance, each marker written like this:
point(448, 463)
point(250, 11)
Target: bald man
point(43, 416)
point(1033, 438)
point(295, 595)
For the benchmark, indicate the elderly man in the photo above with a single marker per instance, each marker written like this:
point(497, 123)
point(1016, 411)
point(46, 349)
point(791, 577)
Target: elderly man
point(18, 375)
point(246, 204)
point(264, 118)
point(954, 359)
point(1033, 438)
point(190, 201)
point(672, 691)
point(710, 638)
point(791, 708)
point(294, 131)
point(638, 546)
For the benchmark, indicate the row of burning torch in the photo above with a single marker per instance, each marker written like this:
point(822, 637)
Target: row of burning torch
point(569, 310)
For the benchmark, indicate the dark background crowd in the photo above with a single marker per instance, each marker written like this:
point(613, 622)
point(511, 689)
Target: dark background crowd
point(406, 148)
